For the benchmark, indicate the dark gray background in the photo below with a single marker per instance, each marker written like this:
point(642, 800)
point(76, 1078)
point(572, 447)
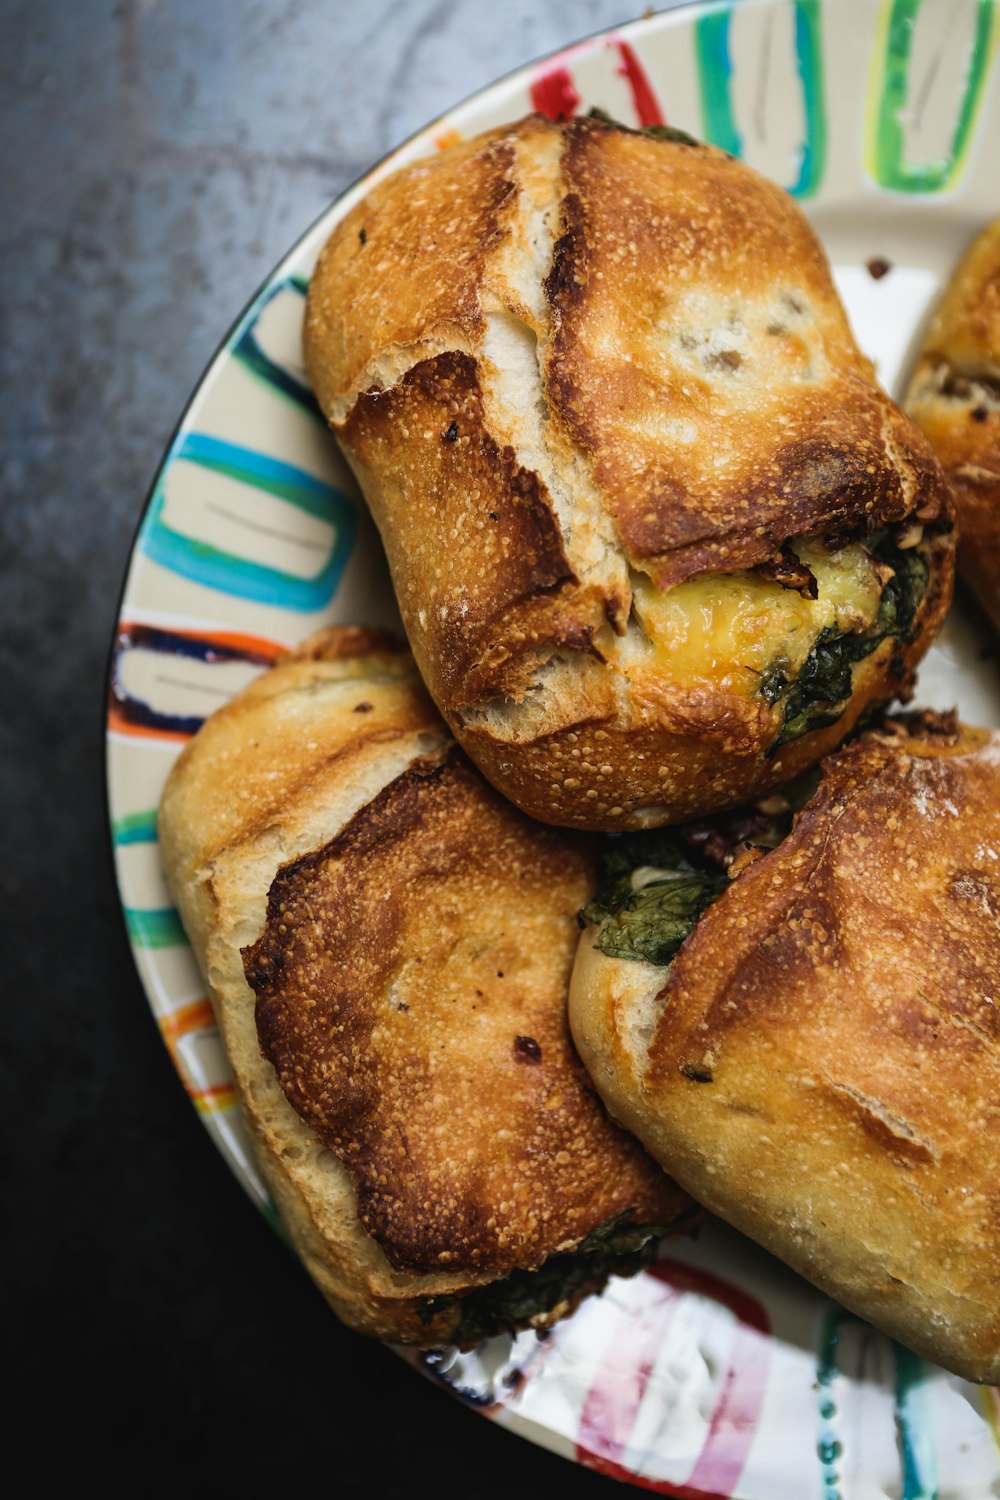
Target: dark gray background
point(158, 157)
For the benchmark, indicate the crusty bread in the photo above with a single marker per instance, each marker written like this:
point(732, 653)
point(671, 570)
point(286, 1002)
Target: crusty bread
point(409, 1081)
point(954, 397)
point(576, 368)
point(820, 1065)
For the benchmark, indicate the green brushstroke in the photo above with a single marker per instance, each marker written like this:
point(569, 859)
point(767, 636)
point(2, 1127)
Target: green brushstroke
point(889, 95)
point(809, 58)
point(715, 72)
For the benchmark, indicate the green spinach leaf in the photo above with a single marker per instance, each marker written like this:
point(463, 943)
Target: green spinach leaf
point(817, 696)
point(652, 922)
point(615, 1247)
point(623, 853)
point(658, 132)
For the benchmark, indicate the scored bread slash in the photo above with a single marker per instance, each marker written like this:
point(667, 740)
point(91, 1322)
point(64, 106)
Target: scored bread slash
point(387, 945)
point(657, 536)
point(812, 1047)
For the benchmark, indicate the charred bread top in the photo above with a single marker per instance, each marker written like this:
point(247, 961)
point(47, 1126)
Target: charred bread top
point(820, 1063)
point(599, 390)
point(434, 1146)
point(954, 396)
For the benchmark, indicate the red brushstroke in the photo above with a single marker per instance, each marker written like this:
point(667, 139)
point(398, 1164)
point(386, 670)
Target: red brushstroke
point(612, 1403)
point(644, 100)
point(553, 94)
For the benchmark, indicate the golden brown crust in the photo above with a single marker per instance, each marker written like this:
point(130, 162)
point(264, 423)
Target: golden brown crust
point(694, 319)
point(489, 580)
point(410, 990)
point(305, 759)
point(645, 371)
point(822, 1065)
point(954, 397)
point(662, 758)
point(431, 242)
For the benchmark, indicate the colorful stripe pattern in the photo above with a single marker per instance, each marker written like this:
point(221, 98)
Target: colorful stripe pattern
point(156, 711)
point(193, 1026)
point(247, 542)
point(913, 1417)
point(895, 98)
point(612, 1404)
point(553, 92)
point(281, 376)
point(148, 927)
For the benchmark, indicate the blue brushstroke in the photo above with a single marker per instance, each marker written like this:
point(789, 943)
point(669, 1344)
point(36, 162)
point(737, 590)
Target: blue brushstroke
point(140, 714)
point(247, 349)
point(920, 1480)
point(215, 568)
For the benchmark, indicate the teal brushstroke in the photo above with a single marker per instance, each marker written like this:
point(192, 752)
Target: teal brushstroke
point(920, 1481)
point(135, 828)
point(715, 77)
point(809, 60)
point(916, 1443)
point(715, 73)
point(246, 348)
point(828, 1448)
point(154, 927)
point(215, 568)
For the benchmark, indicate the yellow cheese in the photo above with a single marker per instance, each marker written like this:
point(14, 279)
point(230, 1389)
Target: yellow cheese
point(731, 627)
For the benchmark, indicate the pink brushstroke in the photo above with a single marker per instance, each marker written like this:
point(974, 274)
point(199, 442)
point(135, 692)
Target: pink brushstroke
point(613, 1401)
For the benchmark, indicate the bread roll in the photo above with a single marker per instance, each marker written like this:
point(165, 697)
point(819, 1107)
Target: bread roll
point(954, 396)
point(434, 1147)
point(820, 1062)
point(657, 536)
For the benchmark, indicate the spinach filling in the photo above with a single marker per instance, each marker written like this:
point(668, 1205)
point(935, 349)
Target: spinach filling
point(649, 924)
point(616, 1247)
point(689, 865)
point(658, 132)
point(818, 694)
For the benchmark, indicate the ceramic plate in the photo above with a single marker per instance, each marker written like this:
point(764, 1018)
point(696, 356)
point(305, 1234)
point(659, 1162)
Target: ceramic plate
point(717, 1372)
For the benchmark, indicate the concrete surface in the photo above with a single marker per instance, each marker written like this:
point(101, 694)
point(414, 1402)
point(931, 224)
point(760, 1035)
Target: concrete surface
point(158, 156)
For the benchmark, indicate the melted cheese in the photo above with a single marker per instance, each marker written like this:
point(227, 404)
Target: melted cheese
point(732, 627)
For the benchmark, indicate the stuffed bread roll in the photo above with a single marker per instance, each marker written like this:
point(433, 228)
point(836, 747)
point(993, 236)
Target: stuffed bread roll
point(396, 1022)
point(954, 397)
point(658, 538)
point(808, 1039)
